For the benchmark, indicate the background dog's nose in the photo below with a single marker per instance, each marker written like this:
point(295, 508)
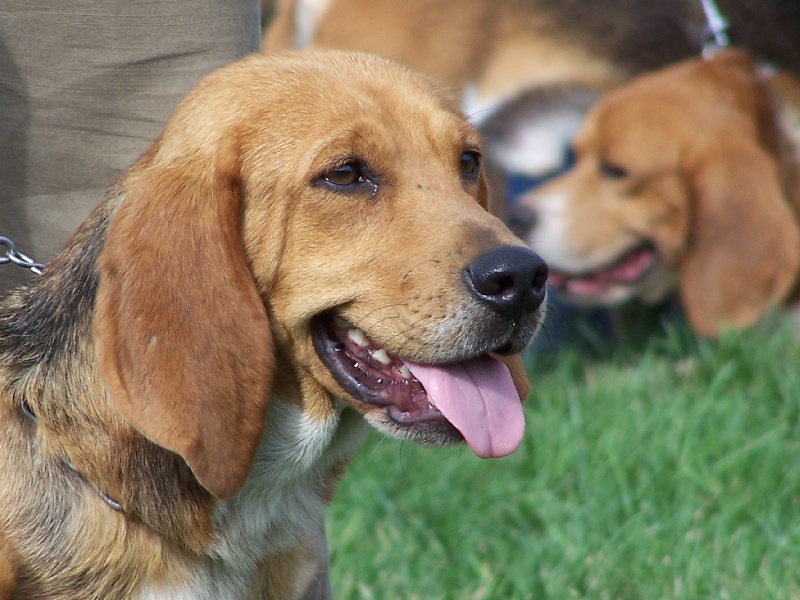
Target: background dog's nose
point(521, 220)
point(510, 279)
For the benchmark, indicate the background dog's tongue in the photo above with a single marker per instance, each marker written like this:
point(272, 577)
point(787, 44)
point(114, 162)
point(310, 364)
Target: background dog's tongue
point(479, 398)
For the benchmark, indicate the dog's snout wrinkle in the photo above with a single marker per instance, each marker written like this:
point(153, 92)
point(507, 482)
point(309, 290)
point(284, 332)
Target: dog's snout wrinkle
point(511, 280)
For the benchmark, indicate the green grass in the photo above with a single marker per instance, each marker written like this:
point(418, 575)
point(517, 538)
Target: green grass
point(672, 471)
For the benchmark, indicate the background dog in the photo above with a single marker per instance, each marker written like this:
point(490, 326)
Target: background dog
point(687, 179)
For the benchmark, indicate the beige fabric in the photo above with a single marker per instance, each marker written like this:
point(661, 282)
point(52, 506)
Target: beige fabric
point(85, 86)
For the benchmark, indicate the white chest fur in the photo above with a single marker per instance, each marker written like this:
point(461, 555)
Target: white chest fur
point(280, 503)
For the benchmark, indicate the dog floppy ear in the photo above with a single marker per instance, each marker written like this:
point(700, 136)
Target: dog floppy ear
point(182, 336)
point(744, 245)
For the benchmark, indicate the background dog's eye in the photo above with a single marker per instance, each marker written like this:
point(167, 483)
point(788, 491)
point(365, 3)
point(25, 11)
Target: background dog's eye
point(470, 163)
point(612, 171)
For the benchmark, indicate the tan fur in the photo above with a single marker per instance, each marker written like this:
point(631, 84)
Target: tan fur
point(501, 47)
point(165, 359)
point(707, 182)
point(8, 569)
point(505, 47)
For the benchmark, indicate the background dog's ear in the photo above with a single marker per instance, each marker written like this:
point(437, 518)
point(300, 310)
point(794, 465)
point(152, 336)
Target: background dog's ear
point(182, 336)
point(744, 246)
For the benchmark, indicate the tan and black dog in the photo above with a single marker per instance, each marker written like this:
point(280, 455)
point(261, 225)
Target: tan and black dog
point(303, 251)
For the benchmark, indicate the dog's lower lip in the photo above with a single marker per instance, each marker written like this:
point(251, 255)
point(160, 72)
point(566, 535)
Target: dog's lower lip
point(630, 268)
point(369, 374)
point(473, 399)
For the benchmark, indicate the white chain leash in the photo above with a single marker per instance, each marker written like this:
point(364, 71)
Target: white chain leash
point(716, 35)
point(12, 255)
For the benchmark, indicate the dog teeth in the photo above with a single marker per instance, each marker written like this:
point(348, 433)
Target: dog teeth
point(359, 338)
point(381, 356)
point(356, 335)
point(403, 370)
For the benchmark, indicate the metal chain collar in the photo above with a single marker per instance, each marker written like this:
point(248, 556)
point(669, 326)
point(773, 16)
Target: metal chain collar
point(12, 255)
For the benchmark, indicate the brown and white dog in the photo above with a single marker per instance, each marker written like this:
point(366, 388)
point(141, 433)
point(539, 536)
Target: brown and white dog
point(684, 179)
point(527, 70)
point(304, 250)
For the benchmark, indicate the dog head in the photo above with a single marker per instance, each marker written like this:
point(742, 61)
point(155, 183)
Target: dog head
point(677, 183)
point(313, 226)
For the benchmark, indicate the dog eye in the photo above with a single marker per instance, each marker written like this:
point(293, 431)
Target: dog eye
point(345, 174)
point(351, 175)
point(612, 171)
point(470, 163)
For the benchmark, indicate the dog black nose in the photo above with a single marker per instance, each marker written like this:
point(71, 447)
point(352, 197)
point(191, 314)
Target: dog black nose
point(510, 279)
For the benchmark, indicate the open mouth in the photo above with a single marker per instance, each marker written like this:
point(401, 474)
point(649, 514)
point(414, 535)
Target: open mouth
point(474, 399)
point(631, 267)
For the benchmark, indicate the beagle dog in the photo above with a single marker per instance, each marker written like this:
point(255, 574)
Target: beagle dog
point(304, 250)
point(684, 179)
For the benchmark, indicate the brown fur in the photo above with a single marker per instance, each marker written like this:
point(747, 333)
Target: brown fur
point(501, 47)
point(8, 569)
point(150, 358)
point(707, 180)
point(508, 46)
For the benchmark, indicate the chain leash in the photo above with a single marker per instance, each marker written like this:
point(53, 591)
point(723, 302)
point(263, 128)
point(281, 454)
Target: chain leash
point(12, 255)
point(716, 29)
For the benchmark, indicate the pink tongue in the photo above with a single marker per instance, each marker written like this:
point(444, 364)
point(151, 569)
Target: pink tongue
point(479, 399)
point(628, 270)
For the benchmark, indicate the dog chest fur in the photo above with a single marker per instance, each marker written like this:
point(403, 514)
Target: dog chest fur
point(282, 501)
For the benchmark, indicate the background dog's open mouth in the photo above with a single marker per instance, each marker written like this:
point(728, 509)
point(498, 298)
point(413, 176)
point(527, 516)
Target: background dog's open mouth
point(477, 396)
point(628, 269)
